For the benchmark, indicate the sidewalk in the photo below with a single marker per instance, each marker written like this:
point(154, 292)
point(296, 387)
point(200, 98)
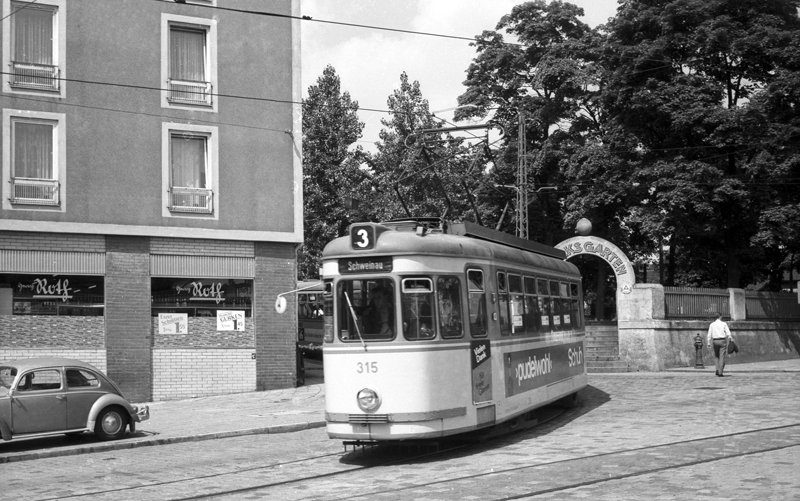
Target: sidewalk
point(731, 367)
point(276, 411)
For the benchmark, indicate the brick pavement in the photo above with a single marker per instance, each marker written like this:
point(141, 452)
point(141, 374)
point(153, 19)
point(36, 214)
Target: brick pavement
point(287, 410)
point(637, 436)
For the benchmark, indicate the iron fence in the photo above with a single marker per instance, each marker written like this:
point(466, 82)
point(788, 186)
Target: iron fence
point(692, 302)
point(771, 305)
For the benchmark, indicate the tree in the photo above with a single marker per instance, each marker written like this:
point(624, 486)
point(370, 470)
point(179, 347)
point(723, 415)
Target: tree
point(688, 99)
point(543, 80)
point(330, 167)
point(414, 173)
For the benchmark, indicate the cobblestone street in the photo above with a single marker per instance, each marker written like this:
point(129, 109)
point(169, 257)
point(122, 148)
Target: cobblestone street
point(634, 436)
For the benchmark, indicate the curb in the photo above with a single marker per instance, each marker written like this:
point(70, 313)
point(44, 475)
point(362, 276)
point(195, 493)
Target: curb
point(147, 442)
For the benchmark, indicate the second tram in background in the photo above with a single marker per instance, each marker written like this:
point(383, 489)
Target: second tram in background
point(439, 329)
point(310, 307)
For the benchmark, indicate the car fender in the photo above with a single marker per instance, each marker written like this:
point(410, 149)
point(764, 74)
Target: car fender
point(102, 403)
point(5, 430)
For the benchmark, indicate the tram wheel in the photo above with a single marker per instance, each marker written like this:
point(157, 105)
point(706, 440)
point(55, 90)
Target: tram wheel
point(569, 401)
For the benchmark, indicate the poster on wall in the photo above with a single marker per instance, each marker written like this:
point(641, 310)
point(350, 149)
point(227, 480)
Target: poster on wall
point(173, 323)
point(230, 320)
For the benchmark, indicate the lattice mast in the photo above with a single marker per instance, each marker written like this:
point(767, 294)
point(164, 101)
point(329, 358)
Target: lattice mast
point(522, 181)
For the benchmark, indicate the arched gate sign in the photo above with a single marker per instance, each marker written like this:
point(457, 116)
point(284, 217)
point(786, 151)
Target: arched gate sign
point(604, 249)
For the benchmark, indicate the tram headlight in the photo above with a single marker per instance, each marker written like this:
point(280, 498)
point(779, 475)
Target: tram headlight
point(368, 399)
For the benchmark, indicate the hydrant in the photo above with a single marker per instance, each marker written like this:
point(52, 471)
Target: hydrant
point(698, 348)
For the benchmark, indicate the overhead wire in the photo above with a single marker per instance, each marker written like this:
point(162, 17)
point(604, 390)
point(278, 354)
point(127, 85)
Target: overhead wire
point(292, 102)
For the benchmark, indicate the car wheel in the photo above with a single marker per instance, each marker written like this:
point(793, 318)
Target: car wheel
point(111, 423)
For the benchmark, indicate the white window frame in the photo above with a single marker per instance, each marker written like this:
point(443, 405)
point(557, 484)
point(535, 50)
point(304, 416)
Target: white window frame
point(59, 47)
point(59, 158)
point(210, 27)
point(211, 133)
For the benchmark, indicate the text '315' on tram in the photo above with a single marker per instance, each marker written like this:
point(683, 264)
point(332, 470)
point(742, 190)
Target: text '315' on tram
point(435, 330)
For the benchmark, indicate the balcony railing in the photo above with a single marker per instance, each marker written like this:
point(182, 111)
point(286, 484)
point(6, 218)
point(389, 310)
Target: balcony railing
point(197, 200)
point(34, 191)
point(189, 92)
point(34, 76)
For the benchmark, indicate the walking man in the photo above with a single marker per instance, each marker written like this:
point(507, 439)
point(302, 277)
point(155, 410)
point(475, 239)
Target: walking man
point(719, 334)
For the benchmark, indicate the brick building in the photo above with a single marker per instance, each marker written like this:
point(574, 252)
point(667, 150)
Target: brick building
point(151, 200)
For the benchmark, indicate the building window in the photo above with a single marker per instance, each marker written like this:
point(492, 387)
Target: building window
point(189, 190)
point(33, 46)
point(33, 178)
point(190, 171)
point(33, 160)
point(188, 67)
point(189, 62)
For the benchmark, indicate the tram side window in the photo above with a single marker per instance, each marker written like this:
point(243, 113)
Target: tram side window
point(502, 303)
point(448, 293)
point(544, 304)
point(532, 319)
point(417, 301)
point(564, 305)
point(516, 304)
point(477, 303)
point(366, 309)
point(575, 310)
point(555, 301)
point(310, 306)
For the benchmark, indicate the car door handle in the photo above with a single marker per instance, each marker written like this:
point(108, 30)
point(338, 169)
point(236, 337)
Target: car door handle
point(61, 397)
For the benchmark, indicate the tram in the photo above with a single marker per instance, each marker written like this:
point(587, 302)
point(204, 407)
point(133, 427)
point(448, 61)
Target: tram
point(310, 308)
point(435, 328)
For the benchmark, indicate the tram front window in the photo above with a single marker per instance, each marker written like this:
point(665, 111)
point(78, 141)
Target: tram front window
point(366, 309)
point(417, 301)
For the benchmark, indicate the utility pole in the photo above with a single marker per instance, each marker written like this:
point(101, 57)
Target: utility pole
point(522, 181)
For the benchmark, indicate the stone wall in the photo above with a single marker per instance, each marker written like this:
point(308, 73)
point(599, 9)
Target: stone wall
point(649, 342)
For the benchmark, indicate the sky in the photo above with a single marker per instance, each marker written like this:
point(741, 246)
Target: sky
point(370, 61)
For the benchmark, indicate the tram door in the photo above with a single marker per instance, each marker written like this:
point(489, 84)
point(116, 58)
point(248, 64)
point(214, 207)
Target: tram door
point(480, 347)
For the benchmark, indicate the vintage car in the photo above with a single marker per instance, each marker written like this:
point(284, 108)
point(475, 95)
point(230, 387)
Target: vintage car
point(50, 396)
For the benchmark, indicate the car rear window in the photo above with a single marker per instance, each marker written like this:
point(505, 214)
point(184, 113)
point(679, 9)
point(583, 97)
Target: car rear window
point(77, 378)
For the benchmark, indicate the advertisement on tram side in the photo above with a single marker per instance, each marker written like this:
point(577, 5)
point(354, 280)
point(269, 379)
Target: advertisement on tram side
point(530, 369)
point(481, 356)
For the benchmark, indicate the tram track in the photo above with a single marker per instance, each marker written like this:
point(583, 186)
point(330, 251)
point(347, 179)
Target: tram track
point(396, 459)
point(758, 442)
point(414, 490)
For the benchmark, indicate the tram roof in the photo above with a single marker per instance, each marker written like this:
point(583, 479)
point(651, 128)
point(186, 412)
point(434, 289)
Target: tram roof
point(464, 240)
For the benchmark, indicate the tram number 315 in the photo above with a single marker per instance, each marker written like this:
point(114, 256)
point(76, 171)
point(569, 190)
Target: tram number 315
point(366, 367)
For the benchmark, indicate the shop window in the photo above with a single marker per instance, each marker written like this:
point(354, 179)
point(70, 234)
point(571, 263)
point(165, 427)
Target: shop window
point(201, 297)
point(71, 295)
